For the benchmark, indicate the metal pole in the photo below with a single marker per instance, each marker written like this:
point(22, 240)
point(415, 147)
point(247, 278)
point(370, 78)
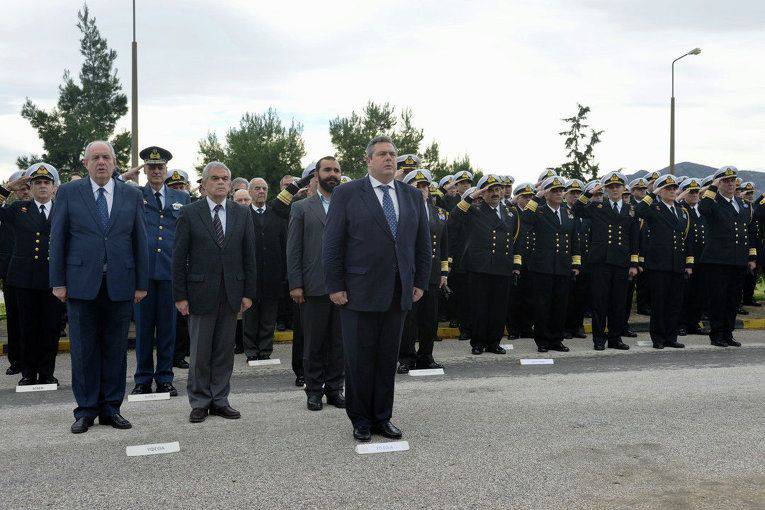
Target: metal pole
point(672, 123)
point(134, 102)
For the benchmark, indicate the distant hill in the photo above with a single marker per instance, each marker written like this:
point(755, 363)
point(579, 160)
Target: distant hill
point(700, 171)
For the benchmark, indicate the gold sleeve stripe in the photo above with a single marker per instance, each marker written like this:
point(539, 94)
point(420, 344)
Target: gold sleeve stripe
point(517, 259)
point(285, 197)
point(752, 252)
point(641, 259)
point(463, 206)
point(709, 194)
point(648, 200)
point(634, 258)
point(531, 206)
point(576, 260)
point(689, 260)
point(583, 199)
point(444, 265)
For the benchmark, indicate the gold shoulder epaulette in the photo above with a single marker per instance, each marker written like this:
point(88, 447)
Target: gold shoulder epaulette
point(648, 200)
point(531, 206)
point(463, 206)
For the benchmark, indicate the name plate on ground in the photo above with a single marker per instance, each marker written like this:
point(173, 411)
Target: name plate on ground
point(261, 362)
point(152, 449)
point(645, 343)
point(149, 396)
point(507, 346)
point(426, 371)
point(394, 446)
point(537, 361)
point(36, 387)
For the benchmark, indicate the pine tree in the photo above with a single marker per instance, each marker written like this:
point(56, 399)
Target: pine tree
point(580, 146)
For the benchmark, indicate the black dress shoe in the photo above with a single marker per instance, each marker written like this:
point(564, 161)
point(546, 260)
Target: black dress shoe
point(733, 343)
point(568, 335)
point(403, 368)
point(719, 343)
point(629, 333)
point(27, 381)
point(427, 364)
point(227, 412)
point(674, 345)
point(559, 347)
point(600, 346)
point(167, 388)
point(644, 311)
point(580, 333)
point(681, 332)
point(336, 399)
point(542, 349)
point(454, 324)
point(263, 356)
point(496, 349)
point(252, 358)
point(362, 434)
point(141, 389)
point(314, 402)
point(48, 380)
point(464, 337)
point(13, 370)
point(238, 350)
point(116, 421)
point(477, 350)
point(300, 381)
point(697, 331)
point(387, 429)
point(741, 311)
point(181, 363)
point(658, 345)
point(513, 336)
point(198, 415)
point(81, 425)
point(618, 345)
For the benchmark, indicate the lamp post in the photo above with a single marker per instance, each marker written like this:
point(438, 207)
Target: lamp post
point(134, 103)
point(694, 51)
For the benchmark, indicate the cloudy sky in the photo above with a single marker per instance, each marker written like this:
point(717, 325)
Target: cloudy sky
point(488, 78)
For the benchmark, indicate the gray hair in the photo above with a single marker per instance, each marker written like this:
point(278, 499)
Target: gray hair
point(95, 142)
point(214, 164)
point(252, 182)
point(374, 141)
point(239, 180)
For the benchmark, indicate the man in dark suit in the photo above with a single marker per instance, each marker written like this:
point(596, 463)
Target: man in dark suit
point(376, 255)
point(730, 251)
point(259, 322)
point(214, 278)
point(695, 294)
point(99, 267)
point(39, 311)
point(322, 338)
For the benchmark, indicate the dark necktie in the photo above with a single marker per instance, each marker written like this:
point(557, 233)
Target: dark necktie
point(158, 196)
point(557, 216)
point(389, 210)
point(260, 210)
point(42, 211)
point(103, 210)
point(616, 208)
point(218, 226)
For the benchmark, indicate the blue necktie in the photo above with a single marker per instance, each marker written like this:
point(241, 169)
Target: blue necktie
point(103, 211)
point(389, 210)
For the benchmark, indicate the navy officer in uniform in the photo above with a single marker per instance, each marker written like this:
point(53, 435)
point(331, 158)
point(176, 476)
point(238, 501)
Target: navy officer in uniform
point(155, 315)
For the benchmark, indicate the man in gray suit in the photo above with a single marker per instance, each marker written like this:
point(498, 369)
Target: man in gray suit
point(320, 318)
point(214, 278)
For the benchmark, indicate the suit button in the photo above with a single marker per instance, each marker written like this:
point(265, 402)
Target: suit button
point(36, 257)
point(37, 249)
point(492, 251)
point(37, 233)
point(161, 216)
point(37, 241)
point(159, 250)
point(161, 227)
point(159, 239)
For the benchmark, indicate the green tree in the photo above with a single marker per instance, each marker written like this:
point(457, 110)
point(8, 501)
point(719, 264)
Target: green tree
point(580, 142)
point(86, 111)
point(259, 147)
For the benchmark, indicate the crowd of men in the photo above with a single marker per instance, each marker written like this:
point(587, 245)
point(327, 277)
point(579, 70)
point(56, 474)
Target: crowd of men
point(363, 273)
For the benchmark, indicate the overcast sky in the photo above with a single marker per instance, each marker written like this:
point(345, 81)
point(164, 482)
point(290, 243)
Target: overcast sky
point(490, 79)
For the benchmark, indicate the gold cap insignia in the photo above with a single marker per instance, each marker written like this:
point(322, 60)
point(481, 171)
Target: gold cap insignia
point(729, 172)
point(176, 176)
point(154, 154)
point(409, 161)
point(42, 170)
point(419, 176)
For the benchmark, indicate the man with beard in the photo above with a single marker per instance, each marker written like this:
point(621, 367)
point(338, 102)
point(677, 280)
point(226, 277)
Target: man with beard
point(259, 322)
point(320, 317)
point(730, 251)
point(491, 233)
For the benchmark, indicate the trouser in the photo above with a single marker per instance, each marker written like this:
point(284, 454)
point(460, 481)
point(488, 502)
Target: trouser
point(370, 349)
point(258, 325)
point(40, 316)
point(322, 345)
point(421, 326)
point(577, 300)
point(489, 294)
point(212, 355)
point(13, 325)
point(459, 283)
point(750, 282)
point(694, 299)
point(298, 343)
point(609, 286)
point(181, 337)
point(724, 284)
point(631, 285)
point(520, 314)
point(98, 330)
point(550, 301)
point(155, 324)
point(642, 292)
point(666, 299)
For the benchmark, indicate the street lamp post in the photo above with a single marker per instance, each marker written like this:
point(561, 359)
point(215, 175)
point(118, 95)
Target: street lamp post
point(134, 103)
point(694, 51)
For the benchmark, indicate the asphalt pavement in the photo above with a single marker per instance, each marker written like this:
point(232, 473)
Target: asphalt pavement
point(638, 429)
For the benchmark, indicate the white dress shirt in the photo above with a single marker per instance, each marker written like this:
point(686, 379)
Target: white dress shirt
point(255, 208)
point(392, 192)
point(47, 205)
point(109, 195)
point(221, 213)
point(556, 212)
point(732, 202)
point(618, 205)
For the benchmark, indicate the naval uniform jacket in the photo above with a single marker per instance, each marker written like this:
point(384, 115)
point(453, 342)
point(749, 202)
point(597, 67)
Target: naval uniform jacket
point(490, 240)
point(670, 248)
point(439, 243)
point(28, 267)
point(556, 247)
point(729, 240)
point(614, 236)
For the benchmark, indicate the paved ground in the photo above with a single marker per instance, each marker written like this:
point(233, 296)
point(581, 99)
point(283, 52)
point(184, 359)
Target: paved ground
point(642, 429)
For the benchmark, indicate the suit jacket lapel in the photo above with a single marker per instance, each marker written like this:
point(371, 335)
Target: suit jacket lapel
point(90, 201)
point(232, 219)
point(317, 208)
point(369, 197)
point(206, 217)
point(119, 197)
point(403, 201)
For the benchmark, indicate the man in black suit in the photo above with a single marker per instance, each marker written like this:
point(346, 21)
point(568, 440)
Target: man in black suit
point(730, 251)
point(39, 311)
point(376, 254)
point(259, 322)
point(695, 293)
point(9, 293)
point(214, 278)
